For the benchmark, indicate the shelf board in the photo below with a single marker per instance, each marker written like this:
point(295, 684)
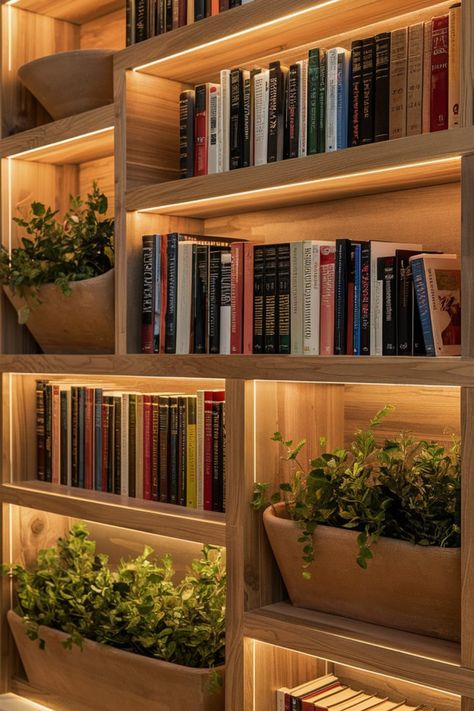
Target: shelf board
point(414, 161)
point(248, 32)
point(324, 369)
point(76, 139)
point(427, 661)
point(162, 519)
point(76, 11)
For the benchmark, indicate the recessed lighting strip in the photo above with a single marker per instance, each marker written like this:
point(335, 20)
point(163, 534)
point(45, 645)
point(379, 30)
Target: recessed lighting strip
point(62, 142)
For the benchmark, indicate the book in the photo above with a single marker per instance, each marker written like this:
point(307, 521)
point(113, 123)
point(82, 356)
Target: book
point(200, 325)
point(327, 277)
point(283, 298)
point(184, 302)
point(303, 107)
point(133, 444)
point(248, 311)
point(224, 121)
point(415, 80)
point(382, 87)
point(225, 302)
point(214, 299)
point(237, 117)
point(130, 23)
point(322, 101)
point(173, 443)
point(278, 76)
point(311, 297)
point(342, 268)
point(404, 302)
point(191, 492)
point(258, 299)
point(148, 293)
point(353, 319)
point(270, 312)
point(154, 444)
point(337, 98)
point(313, 114)
point(186, 133)
point(365, 297)
point(182, 445)
point(293, 111)
point(386, 274)
point(296, 297)
point(398, 84)
point(454, 78)
point(88, 437)
point(237, 297)
point(247, 122)
point(427, 38)
point(261, 89)
point(353, 334)
point(164, 438)
point(40, 430)
point(157, 295)
point(356, 92)
point(367, 108)
point(141, 20)
point(439, 73)
point(199, 9)
point(201, 126)
point(212, 129)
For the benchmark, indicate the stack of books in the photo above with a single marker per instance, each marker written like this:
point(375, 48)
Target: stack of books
point(160, 447)
point(392, 85)
point(302, 298)
point(327, 693)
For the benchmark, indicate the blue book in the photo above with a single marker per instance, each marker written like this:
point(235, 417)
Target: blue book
point(357, 297)
point(98, 439)
point(422, 300)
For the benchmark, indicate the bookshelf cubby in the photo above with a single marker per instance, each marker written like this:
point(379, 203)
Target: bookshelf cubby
point(419, 186)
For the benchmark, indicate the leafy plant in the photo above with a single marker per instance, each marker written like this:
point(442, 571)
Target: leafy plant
point(79, 247)
point(136, 607)
point(402, 488)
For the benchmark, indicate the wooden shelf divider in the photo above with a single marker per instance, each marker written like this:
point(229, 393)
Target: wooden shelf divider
point(75, 11)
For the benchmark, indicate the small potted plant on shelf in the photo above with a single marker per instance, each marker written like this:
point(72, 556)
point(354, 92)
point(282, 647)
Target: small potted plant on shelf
point(60, 279)
point(125, 638)
point(377, 528)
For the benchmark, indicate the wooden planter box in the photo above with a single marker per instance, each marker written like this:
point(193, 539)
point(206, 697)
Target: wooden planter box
point(80, 323)
point(108, 679)
point(409, 587)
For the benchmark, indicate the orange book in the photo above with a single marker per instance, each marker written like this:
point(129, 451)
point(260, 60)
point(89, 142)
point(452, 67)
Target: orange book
point(214, 7)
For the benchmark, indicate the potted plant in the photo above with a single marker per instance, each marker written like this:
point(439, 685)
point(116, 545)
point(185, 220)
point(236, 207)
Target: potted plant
point(378, 527)
point(124, 638)
point(60, 279)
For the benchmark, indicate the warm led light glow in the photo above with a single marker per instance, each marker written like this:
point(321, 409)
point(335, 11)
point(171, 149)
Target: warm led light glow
point(64, 141)
point(303, 183)
point(240, 33)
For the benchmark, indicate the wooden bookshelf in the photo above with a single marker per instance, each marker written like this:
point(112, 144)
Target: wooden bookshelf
point(422, 185)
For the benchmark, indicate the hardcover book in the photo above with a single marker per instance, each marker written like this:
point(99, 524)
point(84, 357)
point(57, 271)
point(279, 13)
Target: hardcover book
point(398, 83)
point(382, 86)
point(368, 91)
point(415, 80)
point(440, 73)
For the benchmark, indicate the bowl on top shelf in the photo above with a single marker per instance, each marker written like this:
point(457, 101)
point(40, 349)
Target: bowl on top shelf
point(69, 83)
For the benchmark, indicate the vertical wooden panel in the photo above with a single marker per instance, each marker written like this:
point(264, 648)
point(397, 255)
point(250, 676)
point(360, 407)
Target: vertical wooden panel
point(467, 529)
point(467, 65)
point(467, 256)
point(102, 171)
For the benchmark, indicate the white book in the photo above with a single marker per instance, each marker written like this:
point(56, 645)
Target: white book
point(260, 138)
point(212, 128)
point(331, 100)
point(311, 295)
point(303, 107)
point(225, 311)
point(224, 122)
point(124, 444)
point(200, 450)
point(380, 249)
point(296, 300)
point(337, 94)
point(184, 301)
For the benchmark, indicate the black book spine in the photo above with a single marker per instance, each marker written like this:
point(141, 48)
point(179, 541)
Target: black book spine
point(152, 18)
point(81, 430)
point(48, 432)
point(132, 445)
point(130, 20)
point(74, 436)
point(342, 269)
point(148, 293)
point(355, 93)
point(293, 116)
point(246, 122)
point(141, 20)
point(161, 18)
point(164, 431)
point(64, 436)
point(216, 464)
point(117, 445)
point(382, 87)
point(182, 443)
point(283, 298)
point(368, 91)
point(199, 9)
point(258, 298)
point(169, 15)
point(322, 103)
point(186, 134)
point(313, 101)
point(200, 292)
point(386, 274)
point(365, 299)
point(236, 118)
point(404, 303)
point(270, 312)
point(173, 451)
point(273, 98)
point(40, 430)
point(214, 299)
point(235, 3)
point(155, 447)
point(171, 293)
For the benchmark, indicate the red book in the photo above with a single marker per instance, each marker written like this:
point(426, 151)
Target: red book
point(164, 289)
point(182, 13)
point(215, 7)
point(247, 346)
point(105, 443)
point(440, 73)
point(89, 439)
point(223, 5)
point(200, 130)
point(326, 332)
point(210, 396)
point(147, 453)
point(236, 297)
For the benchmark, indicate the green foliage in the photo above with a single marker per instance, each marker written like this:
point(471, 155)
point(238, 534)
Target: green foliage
point(402, 488)
point(136, 607)
point(79, 247)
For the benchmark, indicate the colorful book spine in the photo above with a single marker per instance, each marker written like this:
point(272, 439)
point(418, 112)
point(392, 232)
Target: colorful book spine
point(311, 297)
point(225, 311)
point(237, 297)
point(270, 313)
point(440, 73)
point(454, 81)
point(248, 315)
point(326, 337)
point(427, 41)
point(296, 297)
point(200, 129)
point(293, 111)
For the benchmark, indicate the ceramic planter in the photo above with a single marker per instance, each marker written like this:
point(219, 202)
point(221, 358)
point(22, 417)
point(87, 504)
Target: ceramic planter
point(107, 679)
point(80, 323)
point(409, 587)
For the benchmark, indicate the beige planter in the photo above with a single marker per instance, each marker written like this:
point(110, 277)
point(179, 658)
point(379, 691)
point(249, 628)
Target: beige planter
point(106, 679)
point(80, 323)
point(405, 586)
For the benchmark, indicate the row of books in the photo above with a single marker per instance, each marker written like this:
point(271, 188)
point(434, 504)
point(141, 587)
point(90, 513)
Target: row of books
point(392, 85)
point(149, 18)
point(312, 297)
point(159, 447)
point(328, 693)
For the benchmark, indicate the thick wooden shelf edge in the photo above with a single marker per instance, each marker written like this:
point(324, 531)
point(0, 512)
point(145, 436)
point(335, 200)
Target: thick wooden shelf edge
point(151, 517)
point(69, 10)
point(426, 661)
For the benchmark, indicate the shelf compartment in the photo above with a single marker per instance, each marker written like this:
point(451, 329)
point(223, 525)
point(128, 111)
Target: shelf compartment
point(147, 516)
point(430, 662)
point(76, 139)
point(75, 11)
point(416, 161)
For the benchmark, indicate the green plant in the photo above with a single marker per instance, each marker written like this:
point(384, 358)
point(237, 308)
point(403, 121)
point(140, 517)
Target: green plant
point(136, 607)
point(402, 488)
point(79, 247)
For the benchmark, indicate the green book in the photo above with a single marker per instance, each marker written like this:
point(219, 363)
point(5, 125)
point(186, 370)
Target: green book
point(313, 100)
point(322, 102)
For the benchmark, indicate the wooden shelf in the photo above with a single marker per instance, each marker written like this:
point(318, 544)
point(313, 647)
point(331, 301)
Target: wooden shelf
point(253, 31)
point(415, 161)
point(76, 139)
point(432, 662)
point(162, 519)
point(76, 11)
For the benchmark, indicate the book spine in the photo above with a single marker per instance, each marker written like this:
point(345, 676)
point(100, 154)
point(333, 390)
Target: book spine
point(382, 87)
point(182, 13)
point(161, 16)
point(64, 430)
point(368, 91)
point(224, 119)
point(130, 23)
point(323, 73)
point(357, 300)
point(55, 435)
point(200, 297)
point(422, 299)
point(258, 299)
point(117, 450)
point(190, 12)
point(40, 430)
point(155, 448)
point(157, 293)
point(398, 83)
point(386, 274)
point(171, 292)
point(139, 449)
point(342, 99)
point(427, 42)
point(81, 412)
point(261, 90)
point(147, 294)
point(199, 9)
point(132, 445)
point(208, 452)
point(223, 5)
point(225, 315)
point(237, 297)
point(270, 314)
point(415, 80)
point(313, 101)
point(331, 100)
point(303, 108)
point(212, 129)
point(191, 453)
point(454, 82)
point(350, 298)
point(186, 134)
point(147, 446)
point(236, 118)
point(216, 468)
point(439, 73)
point(184, 300)
point(200, 399)
point(182, 445)
point(175, 14)
point(163, 244)
point(141, 20)
point(276, 112)
point(283, 298)
point(105, 442)
point(311, 298)
point(214, 298)
point(342, 266)
point(74, 435)
point(365, 300)
point(404, 306)
point(247, 123)
point(356, 93)
point(98, 401)
point(164, 431)
point(168, 15)
point(296, 297)
point(89, 439)
point(293, 112)
point(247, 345)
point(111, 451)
point(200, 129)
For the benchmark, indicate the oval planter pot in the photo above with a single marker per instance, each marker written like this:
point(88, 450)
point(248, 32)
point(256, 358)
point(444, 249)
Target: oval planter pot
point(409, 587)
point(106, 679)
point(80, 323)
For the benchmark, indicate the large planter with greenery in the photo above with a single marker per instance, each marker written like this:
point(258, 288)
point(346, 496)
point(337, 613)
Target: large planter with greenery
point(372, 532)
point(129, 637)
